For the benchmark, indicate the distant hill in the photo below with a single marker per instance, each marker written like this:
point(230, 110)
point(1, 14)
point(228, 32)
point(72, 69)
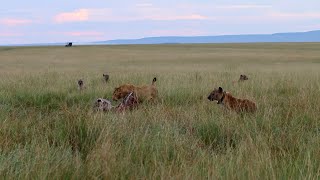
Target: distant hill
point(311, 36)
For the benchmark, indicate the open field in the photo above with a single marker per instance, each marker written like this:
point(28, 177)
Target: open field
point(48, 130)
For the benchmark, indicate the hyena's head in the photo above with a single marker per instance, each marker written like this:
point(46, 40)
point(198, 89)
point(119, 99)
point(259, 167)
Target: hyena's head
point(216, 95)
point(243, 77)
point(80, 83)
point(154, 80)
point(106, 77)
point(102, 105)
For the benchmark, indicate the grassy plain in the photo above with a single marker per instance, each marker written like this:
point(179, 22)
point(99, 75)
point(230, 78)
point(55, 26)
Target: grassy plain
point(48, 130)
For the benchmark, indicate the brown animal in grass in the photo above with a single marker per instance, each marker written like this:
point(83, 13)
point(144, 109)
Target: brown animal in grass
point(80, 84)
point(242, 78)
point(106, 77)
point(143, 93)
point(230, 102)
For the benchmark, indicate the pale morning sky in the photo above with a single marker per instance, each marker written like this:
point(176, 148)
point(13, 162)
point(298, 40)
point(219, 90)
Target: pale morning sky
point(42, 21)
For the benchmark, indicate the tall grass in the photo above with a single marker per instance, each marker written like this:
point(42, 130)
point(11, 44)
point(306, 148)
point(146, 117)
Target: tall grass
point(48, 128)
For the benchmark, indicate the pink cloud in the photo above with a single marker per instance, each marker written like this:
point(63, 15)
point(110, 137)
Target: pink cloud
point(142, 12)
point(75, 16)
point(14, 22)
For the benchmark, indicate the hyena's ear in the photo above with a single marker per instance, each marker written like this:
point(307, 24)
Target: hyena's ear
point(220, 89)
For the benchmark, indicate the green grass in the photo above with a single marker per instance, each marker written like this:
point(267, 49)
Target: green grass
point(49, 131)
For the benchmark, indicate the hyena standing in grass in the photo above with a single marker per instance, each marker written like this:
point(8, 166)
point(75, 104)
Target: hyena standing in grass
point(241, 79)
point(106, 77)
point(80, 84)
point(232, 103)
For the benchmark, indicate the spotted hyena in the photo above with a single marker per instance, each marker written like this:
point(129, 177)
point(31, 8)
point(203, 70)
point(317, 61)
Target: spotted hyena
point(232, 103)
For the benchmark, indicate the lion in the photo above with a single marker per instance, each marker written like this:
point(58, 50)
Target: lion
point(143, 93)
point(232, 103)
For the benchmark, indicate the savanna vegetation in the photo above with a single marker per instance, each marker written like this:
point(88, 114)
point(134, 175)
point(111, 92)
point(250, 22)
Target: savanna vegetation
point(49, 131)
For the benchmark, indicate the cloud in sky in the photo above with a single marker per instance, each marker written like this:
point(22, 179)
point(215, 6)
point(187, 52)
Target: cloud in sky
point(14, 21)
point(146, 12)
point(140, 12)
point(74, 16)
